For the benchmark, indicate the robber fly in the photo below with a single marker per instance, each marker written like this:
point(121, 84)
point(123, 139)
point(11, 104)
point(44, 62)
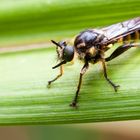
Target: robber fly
point(91, 45)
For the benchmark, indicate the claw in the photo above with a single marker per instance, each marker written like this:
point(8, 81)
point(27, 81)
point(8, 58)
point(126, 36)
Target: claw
point(74, 104)
point(116, 87)
point(49, 84)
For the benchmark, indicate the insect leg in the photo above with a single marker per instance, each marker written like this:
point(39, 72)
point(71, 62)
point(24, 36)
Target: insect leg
point(83, 70)
point(59, 75)
point(121, 50)
point(106, 77)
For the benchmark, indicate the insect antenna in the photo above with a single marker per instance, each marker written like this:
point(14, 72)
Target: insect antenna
point(61, 63)
point(57, 44)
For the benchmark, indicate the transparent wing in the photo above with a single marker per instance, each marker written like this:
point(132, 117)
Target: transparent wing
point(121, 29)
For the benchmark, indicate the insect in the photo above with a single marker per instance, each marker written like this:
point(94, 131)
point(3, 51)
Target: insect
point(91, 45)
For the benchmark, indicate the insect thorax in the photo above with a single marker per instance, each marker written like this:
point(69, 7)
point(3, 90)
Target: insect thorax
point(87, 44)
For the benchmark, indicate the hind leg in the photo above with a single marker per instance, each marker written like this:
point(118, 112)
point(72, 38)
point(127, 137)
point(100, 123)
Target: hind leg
point(120, 50)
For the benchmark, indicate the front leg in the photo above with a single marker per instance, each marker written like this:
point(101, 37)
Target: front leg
point(106, 77)
point(58, 76)
point(83, 70)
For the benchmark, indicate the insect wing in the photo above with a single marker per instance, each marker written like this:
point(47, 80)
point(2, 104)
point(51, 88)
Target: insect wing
point(121, 29)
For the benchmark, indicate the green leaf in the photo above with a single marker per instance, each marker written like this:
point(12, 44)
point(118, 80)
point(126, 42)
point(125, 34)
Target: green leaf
point(26, 100)
point(24, 74)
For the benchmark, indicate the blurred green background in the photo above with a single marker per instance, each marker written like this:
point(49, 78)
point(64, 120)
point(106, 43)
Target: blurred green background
point(25, 22)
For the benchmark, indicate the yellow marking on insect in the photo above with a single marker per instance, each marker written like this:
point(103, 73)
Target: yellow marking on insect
point(81, 45)
point(137, 36)
point(120, 40)
point(110, 46)
point(61, 69)
point(92, 51)
point(126, 39)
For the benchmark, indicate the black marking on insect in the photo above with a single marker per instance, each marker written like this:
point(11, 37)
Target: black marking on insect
point(91, 45)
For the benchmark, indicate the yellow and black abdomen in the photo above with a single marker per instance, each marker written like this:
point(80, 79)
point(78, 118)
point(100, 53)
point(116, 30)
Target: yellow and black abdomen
point(129, 38)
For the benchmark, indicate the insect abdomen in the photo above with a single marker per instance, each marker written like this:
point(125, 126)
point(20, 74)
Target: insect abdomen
point(132, 37)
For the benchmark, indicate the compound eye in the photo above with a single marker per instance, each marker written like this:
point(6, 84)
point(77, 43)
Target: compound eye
point(68, 53)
